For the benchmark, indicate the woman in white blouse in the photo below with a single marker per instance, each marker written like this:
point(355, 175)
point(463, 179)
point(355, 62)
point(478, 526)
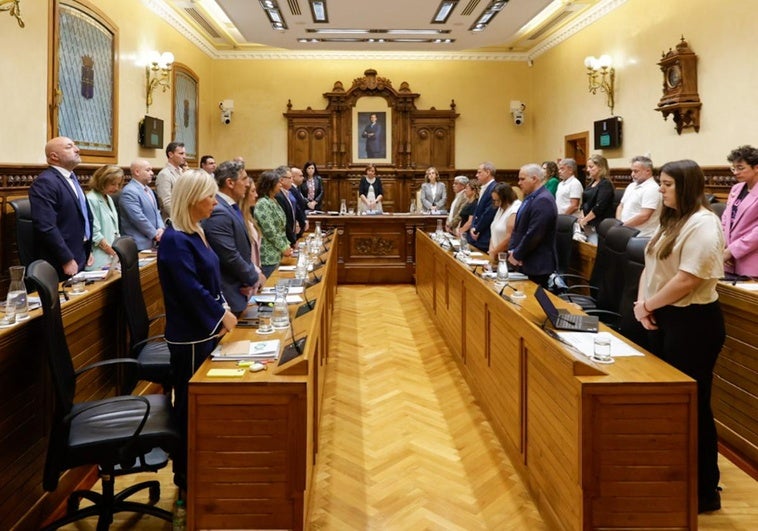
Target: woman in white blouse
point(433, 193)
point(507, 203)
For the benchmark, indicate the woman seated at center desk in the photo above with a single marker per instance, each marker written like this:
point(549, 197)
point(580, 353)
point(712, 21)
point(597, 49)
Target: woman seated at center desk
point(370, 192)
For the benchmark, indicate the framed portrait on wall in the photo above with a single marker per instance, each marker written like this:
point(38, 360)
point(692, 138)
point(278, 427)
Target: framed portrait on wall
point(84, 83)
point(372, 131)
point(184, 111)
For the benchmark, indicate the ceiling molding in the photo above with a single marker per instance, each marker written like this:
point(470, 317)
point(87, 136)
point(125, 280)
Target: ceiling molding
point(167, 13)
point(588, 18)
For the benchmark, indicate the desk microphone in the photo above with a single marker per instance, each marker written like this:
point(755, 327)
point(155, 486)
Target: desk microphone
point(316, 278)
point(294, 349)
point(307, 306)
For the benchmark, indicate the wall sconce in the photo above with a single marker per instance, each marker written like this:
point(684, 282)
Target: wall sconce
point(156, 74)
point(601, 76)
point(14, 9)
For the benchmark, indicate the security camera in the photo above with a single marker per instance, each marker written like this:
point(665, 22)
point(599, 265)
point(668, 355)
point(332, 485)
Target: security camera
point(227, 107)
point(517, 111)
point(226, 117)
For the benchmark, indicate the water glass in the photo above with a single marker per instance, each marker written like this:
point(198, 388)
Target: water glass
point(602, 348)
point(77, 284)
point(440, 231)
point(10, 311)
point(264, 323)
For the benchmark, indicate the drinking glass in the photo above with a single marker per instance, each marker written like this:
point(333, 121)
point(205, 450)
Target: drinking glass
point(280, 318)
point(77, 284)
point(10, 311)
point(602, 348)
point(264, 323)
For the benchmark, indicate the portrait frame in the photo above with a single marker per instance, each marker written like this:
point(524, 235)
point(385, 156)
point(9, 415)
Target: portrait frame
point(362, 112)
point(185, 87)
point(83, 92)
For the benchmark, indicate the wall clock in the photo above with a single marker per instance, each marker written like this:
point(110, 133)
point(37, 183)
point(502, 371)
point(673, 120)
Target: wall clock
point(680, 97)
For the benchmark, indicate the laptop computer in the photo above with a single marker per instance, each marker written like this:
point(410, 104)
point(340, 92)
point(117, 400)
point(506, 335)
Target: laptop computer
point(562, 319)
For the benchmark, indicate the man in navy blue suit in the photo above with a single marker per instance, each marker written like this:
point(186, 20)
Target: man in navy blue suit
point(140, 217)
point(228, 237)
point(61, 216)
point(374, 141)
point(532, 246)
point(479, 233)
point(301, 203)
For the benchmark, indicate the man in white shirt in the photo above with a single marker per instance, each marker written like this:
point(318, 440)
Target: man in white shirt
point(640, 207)
point(568, 196)
point(164, 183)
point(208, 163)
point(454, 216)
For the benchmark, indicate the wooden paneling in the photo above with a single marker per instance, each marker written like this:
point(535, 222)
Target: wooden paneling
point(599, 446)
point(377, 249)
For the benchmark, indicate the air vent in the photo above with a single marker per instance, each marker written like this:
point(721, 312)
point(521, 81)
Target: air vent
point(557, 19)
point(470, 7)
point(294, 7)
point(200, 20)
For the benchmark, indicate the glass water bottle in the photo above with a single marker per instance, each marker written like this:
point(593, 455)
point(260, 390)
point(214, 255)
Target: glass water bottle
point(17, 292)
point(280, 317)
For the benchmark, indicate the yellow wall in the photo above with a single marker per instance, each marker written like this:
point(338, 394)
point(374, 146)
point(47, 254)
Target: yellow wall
point(554, 89)
point(260, 89)
point(723, 36)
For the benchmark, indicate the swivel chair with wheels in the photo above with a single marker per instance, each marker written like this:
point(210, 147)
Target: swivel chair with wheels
point(120, 435)
point(151, 353)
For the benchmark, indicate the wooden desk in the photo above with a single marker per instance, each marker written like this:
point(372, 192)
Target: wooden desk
point(253, 439)
point(95, 330)
point(377, 249)
point(598, 446)
point(735, 379)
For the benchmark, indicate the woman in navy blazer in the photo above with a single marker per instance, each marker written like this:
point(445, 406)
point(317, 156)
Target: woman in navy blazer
point(196, 313)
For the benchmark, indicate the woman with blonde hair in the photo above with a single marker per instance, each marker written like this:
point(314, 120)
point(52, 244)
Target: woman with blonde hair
point(104, 183)
point(597, 200)
point(433, 193)
point(196, 313)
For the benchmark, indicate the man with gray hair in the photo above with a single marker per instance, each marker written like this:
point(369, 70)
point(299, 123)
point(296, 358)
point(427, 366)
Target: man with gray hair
point(532, 245)
point(484, 213)
point(454, 216)
point(568, 195)
point(640, 207)
point(228, 237)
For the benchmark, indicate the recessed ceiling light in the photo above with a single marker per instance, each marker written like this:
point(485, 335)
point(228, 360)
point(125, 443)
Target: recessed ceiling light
point(444, 11)
point(318, 10)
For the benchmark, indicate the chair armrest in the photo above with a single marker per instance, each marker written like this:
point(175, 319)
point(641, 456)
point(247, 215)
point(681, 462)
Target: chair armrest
point(105, 363)
point(604, 315)
point(571, 275)
point(589, 287)
point(147, 340)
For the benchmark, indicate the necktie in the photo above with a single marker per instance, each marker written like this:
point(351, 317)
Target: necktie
point(236, 208)
point(82, 206)
point(150, 195)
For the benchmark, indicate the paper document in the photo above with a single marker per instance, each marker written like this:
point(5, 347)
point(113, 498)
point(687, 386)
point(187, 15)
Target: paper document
point(585, 343)
point(292, 290)
point(269, 297)
point(287, 268)
point(247, 350)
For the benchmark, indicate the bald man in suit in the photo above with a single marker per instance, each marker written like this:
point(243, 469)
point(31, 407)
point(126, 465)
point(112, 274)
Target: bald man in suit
point(61, 216)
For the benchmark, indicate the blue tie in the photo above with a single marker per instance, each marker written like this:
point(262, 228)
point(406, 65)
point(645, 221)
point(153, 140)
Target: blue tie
point(236, 208)
point(83, 206)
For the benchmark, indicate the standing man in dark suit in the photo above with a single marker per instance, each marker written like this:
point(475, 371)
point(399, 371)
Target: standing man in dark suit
point(138, 207)
point(61, 216)
point(479, 233)
point(287, 202)
point(301, 203)
point(532, 246)
point(373, 135)
point(228, 237)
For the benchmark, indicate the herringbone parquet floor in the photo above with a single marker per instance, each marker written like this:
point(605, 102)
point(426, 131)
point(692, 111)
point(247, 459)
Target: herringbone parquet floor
point(404, 445)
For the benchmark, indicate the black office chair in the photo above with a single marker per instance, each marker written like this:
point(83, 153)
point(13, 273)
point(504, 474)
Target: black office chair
point(24, 230)
point(618, 195)
point(718, 208)
point(577, 293)
point(121, 435)
point(151, 352)
point(634, 264)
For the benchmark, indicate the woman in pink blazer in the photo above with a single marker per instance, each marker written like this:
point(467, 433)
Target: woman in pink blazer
point(740, 218)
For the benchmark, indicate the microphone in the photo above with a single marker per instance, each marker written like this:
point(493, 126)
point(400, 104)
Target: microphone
point(294, 349)
point(316, 278)
point(307, 306)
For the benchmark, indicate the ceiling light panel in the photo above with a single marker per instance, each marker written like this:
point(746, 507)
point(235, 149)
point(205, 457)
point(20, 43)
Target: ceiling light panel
point(318, 11)
point(443, 11)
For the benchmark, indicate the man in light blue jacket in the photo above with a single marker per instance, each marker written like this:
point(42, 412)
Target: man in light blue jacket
point(138, 208)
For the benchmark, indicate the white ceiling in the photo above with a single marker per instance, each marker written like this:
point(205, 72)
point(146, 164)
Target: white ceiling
point(522, 29)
